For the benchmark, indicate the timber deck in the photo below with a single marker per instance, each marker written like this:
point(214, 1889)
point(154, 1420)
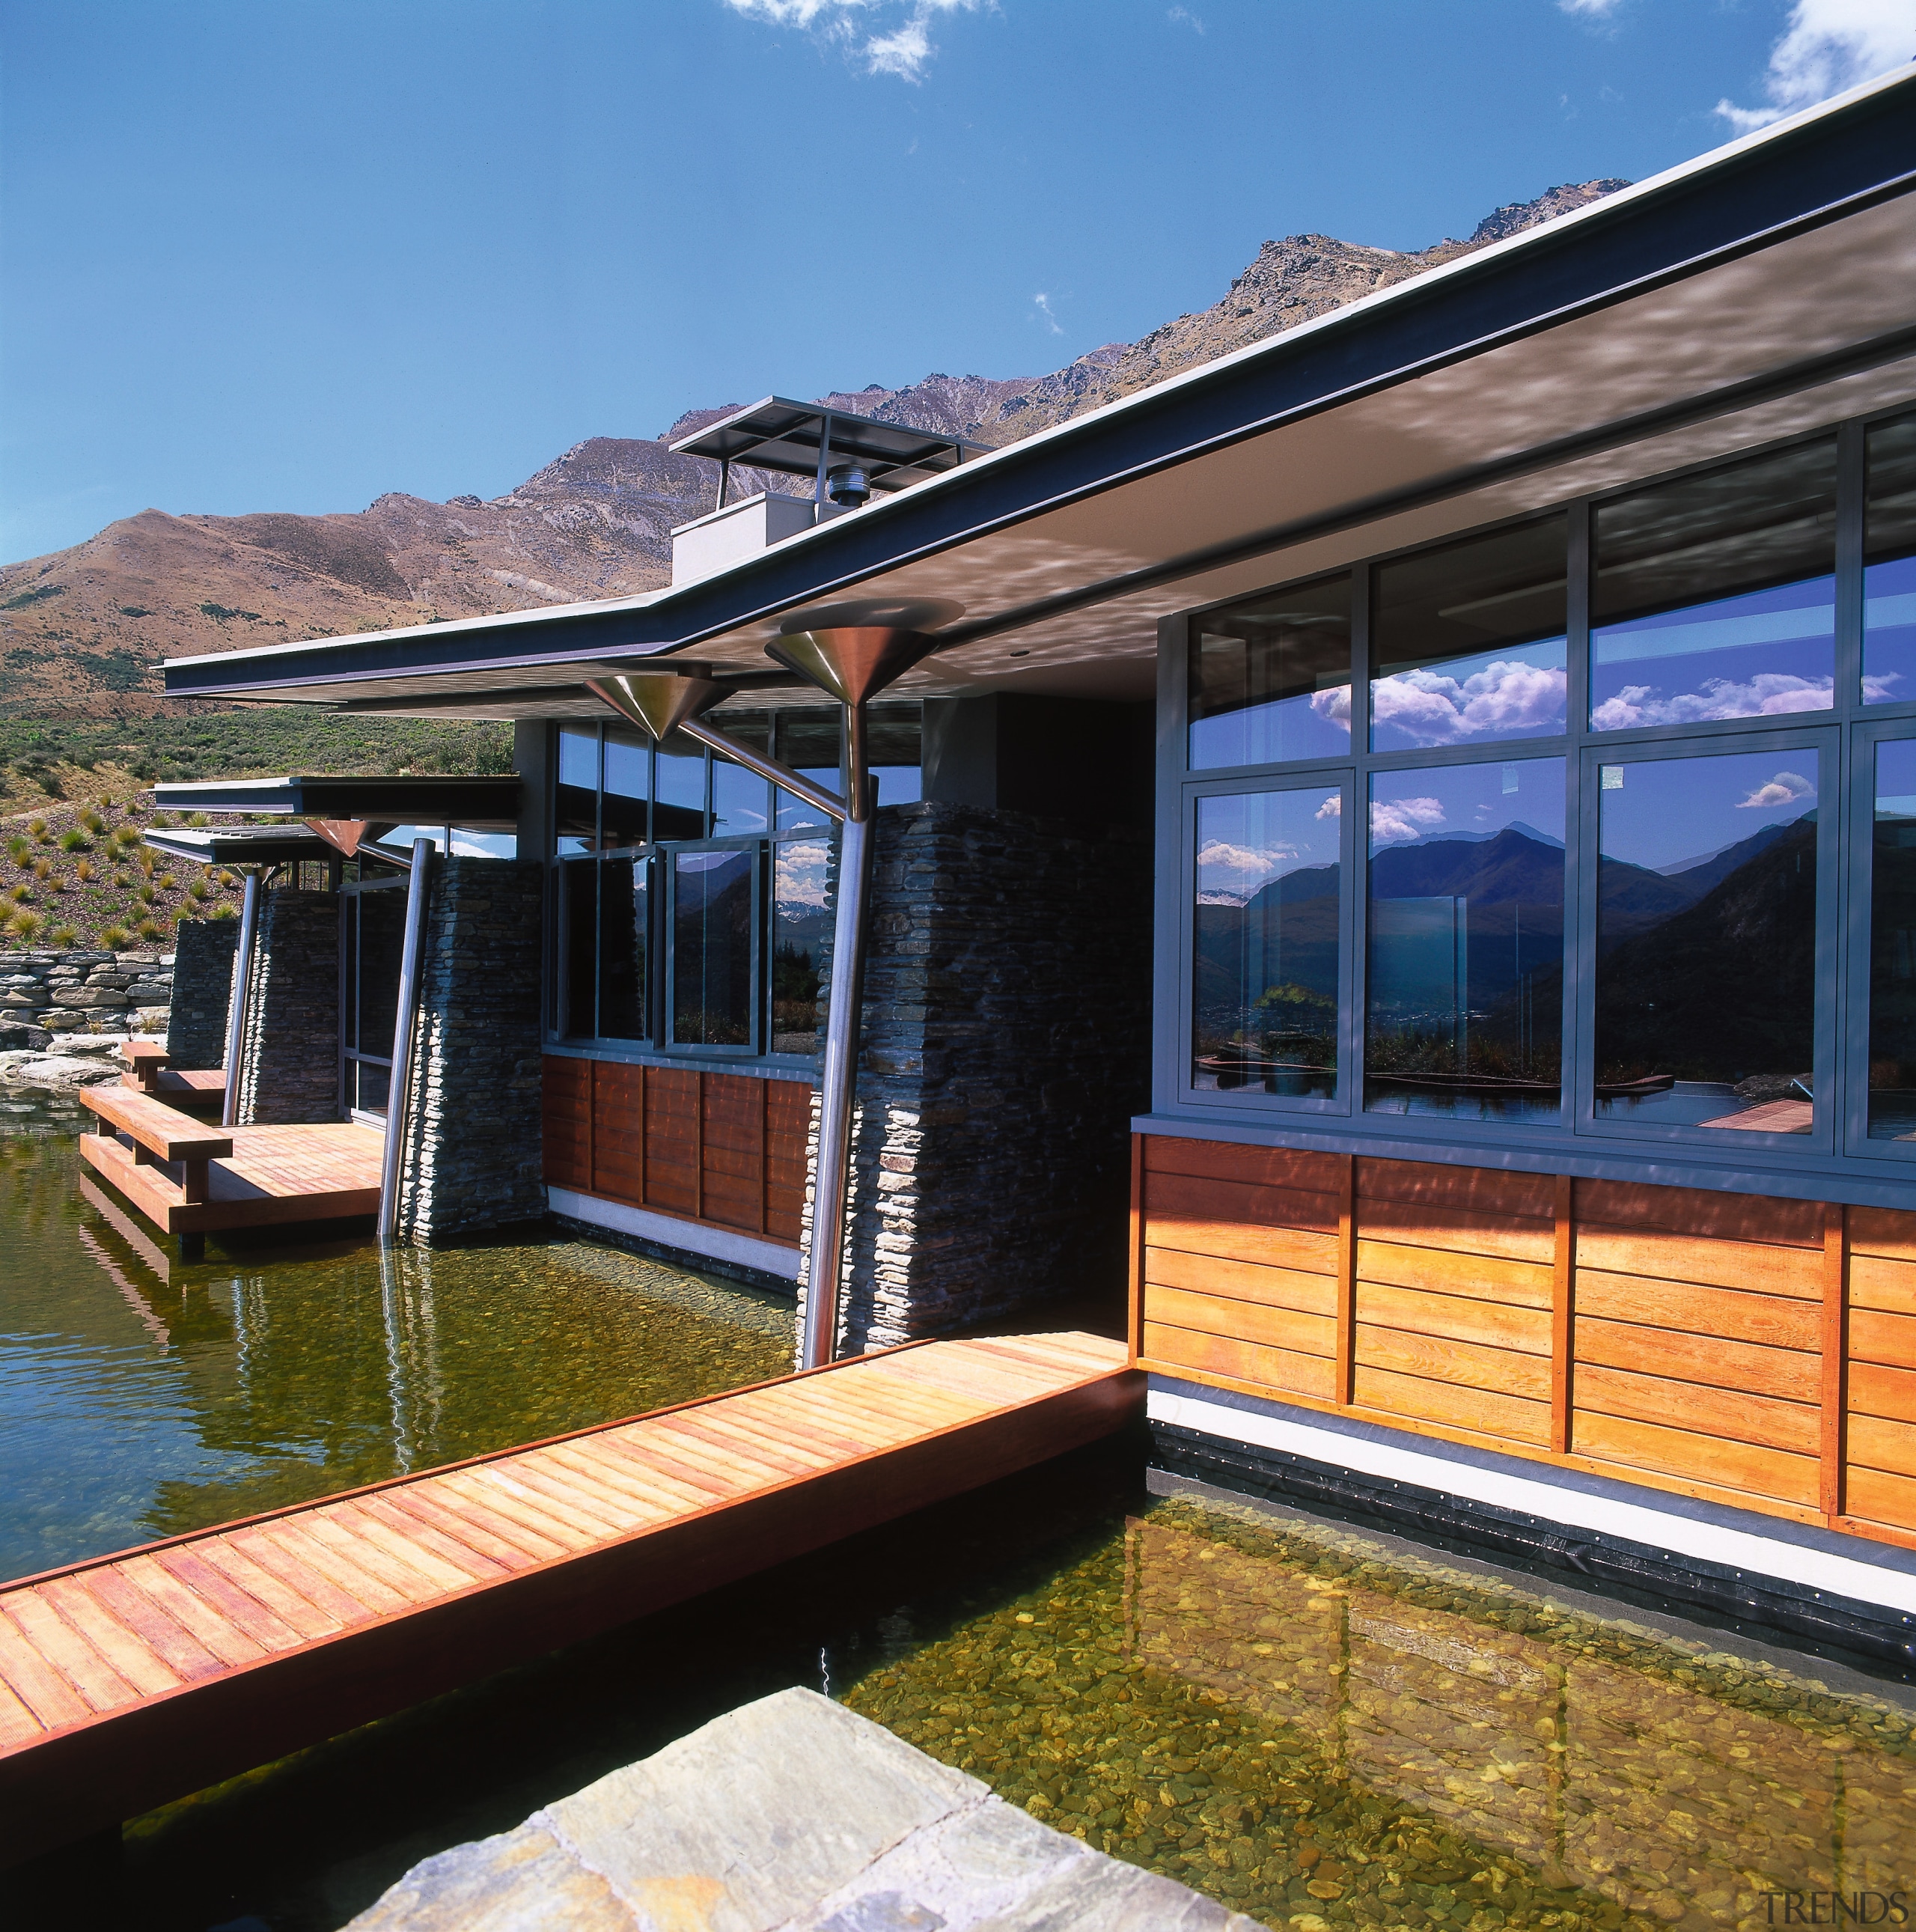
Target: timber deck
point(134, 1679)
point(326, 1172)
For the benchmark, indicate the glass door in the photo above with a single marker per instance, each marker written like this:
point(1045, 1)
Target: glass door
point(372, 934)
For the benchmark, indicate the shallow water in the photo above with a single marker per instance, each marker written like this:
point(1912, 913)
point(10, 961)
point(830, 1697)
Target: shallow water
point(1319, 1728)
point(141, 1396)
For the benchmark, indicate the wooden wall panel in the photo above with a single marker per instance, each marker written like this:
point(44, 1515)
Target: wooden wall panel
point(1879, 1396)
point(728, 1149)
point(1453, 1288)
point(565, 1113)
point(1756, 1350)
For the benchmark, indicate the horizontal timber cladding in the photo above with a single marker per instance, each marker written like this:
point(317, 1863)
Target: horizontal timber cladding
point(1751, 1350)
point(725, 1149)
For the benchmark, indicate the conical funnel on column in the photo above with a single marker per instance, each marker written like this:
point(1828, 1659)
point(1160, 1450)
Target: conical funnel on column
point(661, 700)
point(854, 651)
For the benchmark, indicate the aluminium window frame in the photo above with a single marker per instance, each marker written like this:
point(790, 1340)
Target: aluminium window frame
point(754, 847)
point(1843, 733)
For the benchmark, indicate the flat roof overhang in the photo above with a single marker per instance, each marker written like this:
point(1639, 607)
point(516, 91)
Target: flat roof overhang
point(480, 804)
point(238, 845)
point(1759, 292)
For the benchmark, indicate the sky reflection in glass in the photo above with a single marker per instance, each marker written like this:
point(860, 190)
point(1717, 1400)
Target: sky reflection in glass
point(1706, 933)
point(1892, 946)
point(1466, 942)
point(1889, 565)
point(1267, 942)
point(1270, 679)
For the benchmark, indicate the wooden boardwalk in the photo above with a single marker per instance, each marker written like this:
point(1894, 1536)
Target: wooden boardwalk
point(327, 1172)
point(135, 1678)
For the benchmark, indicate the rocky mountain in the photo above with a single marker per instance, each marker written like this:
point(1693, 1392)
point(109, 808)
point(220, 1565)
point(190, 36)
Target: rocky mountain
point(80, 630)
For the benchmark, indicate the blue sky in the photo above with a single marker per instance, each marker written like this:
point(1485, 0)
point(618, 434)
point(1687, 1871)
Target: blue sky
point(289, 256)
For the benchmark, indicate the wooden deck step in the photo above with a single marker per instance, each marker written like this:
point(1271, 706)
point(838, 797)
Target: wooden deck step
point(131, 1680)
point(326, 1172)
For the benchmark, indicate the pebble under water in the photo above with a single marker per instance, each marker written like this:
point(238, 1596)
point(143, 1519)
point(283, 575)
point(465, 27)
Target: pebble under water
point(1322, 1731)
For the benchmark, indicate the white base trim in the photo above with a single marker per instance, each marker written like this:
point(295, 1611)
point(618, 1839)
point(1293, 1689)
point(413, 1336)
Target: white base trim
point(1640, 1523)
point(694, 1237)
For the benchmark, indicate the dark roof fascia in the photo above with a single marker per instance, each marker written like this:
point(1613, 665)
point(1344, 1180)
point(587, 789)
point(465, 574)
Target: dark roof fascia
point(1834, 165)
point(239, 845)
point(424, 800)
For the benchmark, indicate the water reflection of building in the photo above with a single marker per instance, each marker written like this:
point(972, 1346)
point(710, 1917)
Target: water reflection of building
point(1683, 1803)
point(1531, 647)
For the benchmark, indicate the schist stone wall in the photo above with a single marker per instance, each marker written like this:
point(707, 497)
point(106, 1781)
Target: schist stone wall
point(42, 993)
point(290, 1061)
point(1006, 1048)
point(202, 986)
point(473, 1158)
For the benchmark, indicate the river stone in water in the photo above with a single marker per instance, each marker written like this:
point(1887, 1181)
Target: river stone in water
point(794, 1812)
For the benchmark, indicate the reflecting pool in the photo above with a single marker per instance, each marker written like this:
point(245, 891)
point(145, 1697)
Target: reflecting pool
point(141, 1396)
point(1324, 1729)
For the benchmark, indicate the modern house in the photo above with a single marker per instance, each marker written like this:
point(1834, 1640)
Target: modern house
point(1425, 805)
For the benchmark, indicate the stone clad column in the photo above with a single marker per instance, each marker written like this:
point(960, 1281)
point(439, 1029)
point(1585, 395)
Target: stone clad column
point(291, 1053)
point(202, 986)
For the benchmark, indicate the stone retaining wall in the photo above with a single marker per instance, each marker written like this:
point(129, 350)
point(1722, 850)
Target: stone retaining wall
point(42, 993)
point(1005, 1049)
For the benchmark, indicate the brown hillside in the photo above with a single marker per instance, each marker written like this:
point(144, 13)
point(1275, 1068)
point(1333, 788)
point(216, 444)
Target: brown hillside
point(82, 630)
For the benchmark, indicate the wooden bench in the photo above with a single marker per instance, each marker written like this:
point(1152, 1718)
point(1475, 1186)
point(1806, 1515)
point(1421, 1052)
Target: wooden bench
point(150, 1071)
point(162, 1137)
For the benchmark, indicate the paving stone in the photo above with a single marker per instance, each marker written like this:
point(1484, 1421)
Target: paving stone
point(794, 1813)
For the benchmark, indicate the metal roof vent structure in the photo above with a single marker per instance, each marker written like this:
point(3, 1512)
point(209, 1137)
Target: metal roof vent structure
point(848, 456)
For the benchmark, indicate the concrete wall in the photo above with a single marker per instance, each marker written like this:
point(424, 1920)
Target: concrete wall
point(1005, 1049)
point(472, 1157)
point(202, 986)
point(291, 1058)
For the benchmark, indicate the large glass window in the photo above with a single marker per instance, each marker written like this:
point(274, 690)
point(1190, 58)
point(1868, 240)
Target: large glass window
point(1466, 941)
point(1270, 679)
point(1706, 932)
point(1889, 565)
point(576, 797)
point(1268, 940)
point(1469, 640)
point(372, 935)
point(624, 948)
point(691, 903)
point(712, 896)
point(1714, 595)
point(1892, 1109)
point(800, 936)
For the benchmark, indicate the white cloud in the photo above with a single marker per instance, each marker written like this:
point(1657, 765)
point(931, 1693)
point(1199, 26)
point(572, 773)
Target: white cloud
point(1771, 693)
point(1183, 16)
point(1785, 788)
point(1044, 302)
point(903, 50)
point(1397, 821)
point(1589, 9)
point(1243, 863)
point(1332, 807)
point(1509, 698)
point(1829, 45)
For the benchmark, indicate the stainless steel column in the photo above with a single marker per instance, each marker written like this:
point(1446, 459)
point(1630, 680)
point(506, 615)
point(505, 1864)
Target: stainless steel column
point(242, 988)
point(838, 1078)
point(405, 1025)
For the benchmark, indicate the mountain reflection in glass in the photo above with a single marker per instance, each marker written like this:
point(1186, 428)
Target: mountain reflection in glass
point(711, 961)
point(1468, 640)
point(1268, 943)
point(1889, 564)
point(801, 933)
point(1714, 595)
point(1893, 946)
point(1706, 941)
point(1465, 1013)
point(1270, 679)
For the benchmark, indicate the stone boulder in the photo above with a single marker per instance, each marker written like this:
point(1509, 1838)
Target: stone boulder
point(793, 1813)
